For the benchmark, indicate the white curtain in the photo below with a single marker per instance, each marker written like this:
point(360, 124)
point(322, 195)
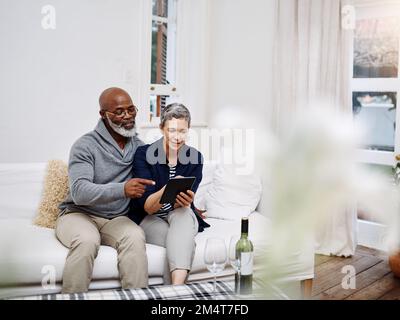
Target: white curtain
point(311, 62)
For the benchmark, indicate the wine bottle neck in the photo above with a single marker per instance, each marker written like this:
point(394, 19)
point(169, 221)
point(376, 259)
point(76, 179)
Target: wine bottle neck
point(245, 235)
point(245, 227)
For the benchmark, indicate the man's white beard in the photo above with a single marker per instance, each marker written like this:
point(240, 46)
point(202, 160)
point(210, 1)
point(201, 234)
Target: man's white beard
point(121, 130)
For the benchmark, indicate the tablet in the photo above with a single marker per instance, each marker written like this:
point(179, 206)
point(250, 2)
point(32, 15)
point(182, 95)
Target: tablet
point(174, 187)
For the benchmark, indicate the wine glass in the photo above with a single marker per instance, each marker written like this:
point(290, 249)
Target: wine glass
point(235, 260)
point(215, 258)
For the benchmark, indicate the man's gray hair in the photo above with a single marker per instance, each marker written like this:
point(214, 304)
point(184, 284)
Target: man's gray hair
point(175, 111)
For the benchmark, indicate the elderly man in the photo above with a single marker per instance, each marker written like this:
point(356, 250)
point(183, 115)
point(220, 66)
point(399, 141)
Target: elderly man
point(101, 186)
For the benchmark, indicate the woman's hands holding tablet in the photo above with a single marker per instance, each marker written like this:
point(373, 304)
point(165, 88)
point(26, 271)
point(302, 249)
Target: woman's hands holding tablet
point(184, 199)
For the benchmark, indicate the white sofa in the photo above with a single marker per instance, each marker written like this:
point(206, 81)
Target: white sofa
point(31, 255)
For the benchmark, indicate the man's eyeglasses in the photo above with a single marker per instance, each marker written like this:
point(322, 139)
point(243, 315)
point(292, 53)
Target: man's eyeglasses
point(121, 112)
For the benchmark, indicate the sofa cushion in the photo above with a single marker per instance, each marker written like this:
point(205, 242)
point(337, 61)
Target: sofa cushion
point(26, 249)
point(55, 190)
point(232, 195)
point(20, 189)
point(209, 168)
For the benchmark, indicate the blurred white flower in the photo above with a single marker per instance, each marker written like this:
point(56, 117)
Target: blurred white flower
point(311, 174)
point(314, 175)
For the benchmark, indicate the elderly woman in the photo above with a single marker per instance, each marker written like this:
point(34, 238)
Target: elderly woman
point(170, 225)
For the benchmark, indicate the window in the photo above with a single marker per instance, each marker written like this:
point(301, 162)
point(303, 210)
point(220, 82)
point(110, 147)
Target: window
point(376, 111)
point(376, 48)
point(376, 81)
point(157, 102)
point(163, 55)
point(375, 89)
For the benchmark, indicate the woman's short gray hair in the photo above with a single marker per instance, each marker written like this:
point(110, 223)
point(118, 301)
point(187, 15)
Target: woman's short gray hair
point(175, 111)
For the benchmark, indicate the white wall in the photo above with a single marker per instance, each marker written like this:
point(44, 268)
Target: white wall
point(194, 57)
point(50, 80)
point(241, 57)
point(241, 51)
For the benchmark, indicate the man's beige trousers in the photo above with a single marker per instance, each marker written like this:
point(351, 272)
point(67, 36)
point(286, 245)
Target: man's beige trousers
point(83, 234)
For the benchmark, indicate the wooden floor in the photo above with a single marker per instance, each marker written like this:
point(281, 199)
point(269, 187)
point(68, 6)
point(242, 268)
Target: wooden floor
point(374, 279)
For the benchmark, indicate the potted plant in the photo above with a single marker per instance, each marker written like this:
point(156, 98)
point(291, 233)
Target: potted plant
point(394, 259)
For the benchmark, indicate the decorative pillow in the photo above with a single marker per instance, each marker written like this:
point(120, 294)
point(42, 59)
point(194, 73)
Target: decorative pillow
point(55, 190)
point(232, 196)
point(209, 168)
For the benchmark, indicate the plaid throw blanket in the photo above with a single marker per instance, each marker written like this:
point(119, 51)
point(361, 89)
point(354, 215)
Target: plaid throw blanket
point(191, 291)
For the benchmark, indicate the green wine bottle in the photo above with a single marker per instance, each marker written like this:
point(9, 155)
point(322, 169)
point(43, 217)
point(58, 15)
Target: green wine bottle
point(244, 252)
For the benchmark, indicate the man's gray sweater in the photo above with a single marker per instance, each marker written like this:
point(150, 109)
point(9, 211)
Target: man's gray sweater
point(98, 169)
